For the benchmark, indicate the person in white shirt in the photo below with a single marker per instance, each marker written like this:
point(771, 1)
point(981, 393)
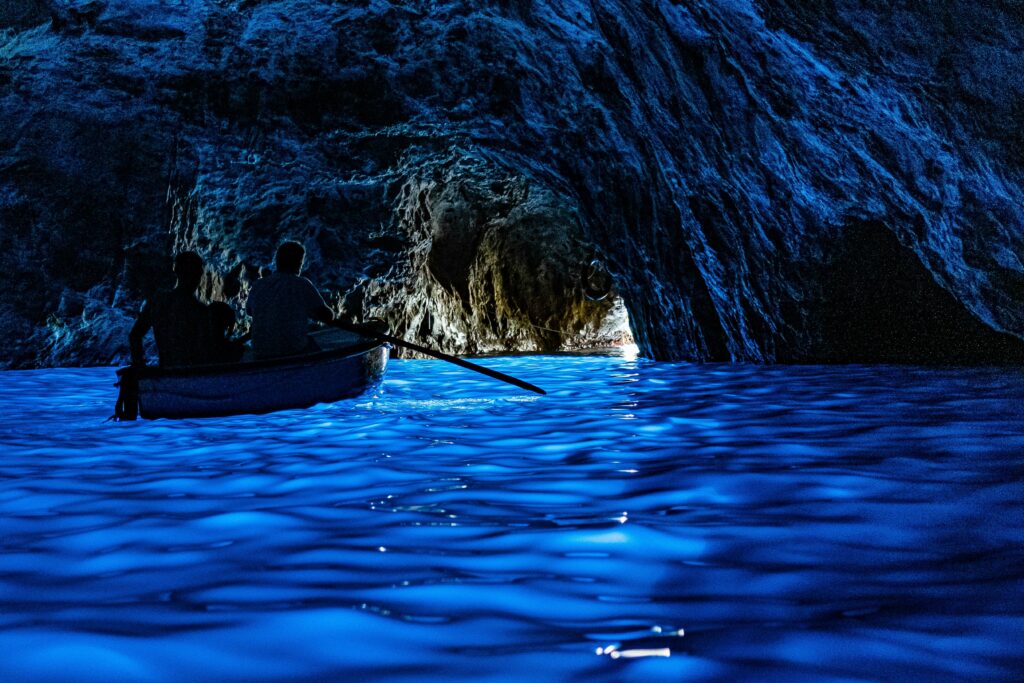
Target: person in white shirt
point(282, 305)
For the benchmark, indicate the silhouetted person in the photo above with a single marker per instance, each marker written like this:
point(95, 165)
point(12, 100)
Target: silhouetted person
point(224, 349)
point(282, 304)
point(180, 322)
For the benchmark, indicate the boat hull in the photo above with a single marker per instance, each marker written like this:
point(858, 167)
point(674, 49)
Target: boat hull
point(261, 387)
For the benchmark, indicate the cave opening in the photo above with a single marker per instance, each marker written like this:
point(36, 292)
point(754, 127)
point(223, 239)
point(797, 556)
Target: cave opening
point(610, 332)
point(496, 262)
point(511, 293)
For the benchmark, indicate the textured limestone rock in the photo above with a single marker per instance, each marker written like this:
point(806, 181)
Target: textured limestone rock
point(765, 180)
point(496, 263)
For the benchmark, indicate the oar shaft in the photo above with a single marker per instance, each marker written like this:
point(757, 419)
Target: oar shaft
point(380, 336)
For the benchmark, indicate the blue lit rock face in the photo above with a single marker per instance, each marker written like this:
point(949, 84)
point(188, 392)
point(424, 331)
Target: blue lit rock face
point(771, 181)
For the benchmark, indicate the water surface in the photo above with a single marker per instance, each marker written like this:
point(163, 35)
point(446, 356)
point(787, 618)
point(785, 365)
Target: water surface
point(645, 521)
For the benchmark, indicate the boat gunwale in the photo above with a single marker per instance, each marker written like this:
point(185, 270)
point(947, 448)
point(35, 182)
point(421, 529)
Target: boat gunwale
point(227, 369)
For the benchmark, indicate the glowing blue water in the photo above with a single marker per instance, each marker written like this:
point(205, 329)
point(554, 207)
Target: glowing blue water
point(798, 523)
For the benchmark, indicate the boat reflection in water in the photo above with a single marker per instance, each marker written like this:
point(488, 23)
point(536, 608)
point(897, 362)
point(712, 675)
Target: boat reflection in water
point(644, 521)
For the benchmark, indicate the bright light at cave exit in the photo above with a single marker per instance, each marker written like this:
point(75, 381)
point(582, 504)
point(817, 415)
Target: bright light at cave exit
point(616, 327)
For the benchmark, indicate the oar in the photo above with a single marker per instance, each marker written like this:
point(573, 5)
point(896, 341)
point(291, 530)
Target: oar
point(379, 336)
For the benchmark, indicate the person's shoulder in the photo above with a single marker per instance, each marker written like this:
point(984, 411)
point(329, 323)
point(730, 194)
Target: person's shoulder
point(186, 297)
point(272, 276)
point(268, 281)
point(159, 298)
point(310, 291)
point(162, 294)
point(293, 281)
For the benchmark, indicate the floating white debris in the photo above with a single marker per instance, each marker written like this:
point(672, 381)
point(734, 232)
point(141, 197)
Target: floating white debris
point(636, 654)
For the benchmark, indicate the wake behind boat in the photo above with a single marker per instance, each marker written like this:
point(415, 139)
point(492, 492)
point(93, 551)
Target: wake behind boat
point(346, 367)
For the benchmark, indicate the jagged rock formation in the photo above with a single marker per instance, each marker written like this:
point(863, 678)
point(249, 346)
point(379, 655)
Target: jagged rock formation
point(766, 180)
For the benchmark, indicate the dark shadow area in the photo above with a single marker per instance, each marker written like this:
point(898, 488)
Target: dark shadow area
point(881, 305)
point(709, 323)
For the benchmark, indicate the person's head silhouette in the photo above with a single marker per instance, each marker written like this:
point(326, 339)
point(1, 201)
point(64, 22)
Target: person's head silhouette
point(290, 257)
point(188, 267)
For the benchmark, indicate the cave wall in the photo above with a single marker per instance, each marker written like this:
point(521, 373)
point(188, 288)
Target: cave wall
point(451, 165)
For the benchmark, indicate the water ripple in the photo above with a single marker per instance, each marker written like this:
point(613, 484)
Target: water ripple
point(643, 521)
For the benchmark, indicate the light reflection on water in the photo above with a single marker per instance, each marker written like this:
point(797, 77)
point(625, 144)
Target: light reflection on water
point(796, 523)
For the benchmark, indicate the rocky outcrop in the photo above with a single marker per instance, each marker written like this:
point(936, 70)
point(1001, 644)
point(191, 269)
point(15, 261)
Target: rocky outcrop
point(764, 180)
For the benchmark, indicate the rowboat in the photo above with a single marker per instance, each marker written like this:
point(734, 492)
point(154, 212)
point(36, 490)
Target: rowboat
point(346, 367)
